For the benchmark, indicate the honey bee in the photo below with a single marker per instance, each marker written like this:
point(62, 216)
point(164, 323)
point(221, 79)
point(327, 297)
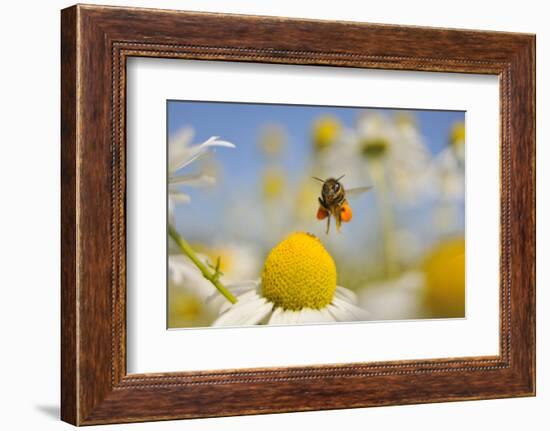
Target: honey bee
point(333, 201)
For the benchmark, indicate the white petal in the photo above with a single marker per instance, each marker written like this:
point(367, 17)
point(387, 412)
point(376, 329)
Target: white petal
point(215, 141)
point(178, 150)
point(245, 312)
point(327, 316)
point(240, 298)
point(183, 137)
point(345, 312)
point(196, 180)
point(277, 317)
point(283, 317)
point(290, 317)
point(241, 287)
point(196, 151)
point(346, 294)
point(183, 273)
point(308, 315)
point(339, 315)
point(171, 208)
point(177, 196)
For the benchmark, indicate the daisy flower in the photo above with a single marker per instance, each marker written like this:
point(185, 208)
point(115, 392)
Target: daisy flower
point(395, 146)
point(452, 173)
point(237, 262)
point(325, 133)
point(183, 274)
point(449, 168)
point(450, 165)
point(188, 291)
point(180, 155)
point(298, 285)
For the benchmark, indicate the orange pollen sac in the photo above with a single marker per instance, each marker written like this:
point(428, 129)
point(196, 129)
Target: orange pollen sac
point(322, 213)
point(346, 213)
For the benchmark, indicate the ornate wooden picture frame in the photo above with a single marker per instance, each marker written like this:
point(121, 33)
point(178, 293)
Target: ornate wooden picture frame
point(96, 41)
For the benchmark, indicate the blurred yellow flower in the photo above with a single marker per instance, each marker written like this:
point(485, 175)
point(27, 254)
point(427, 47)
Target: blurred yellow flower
point(187, 309)
point(273, 183)
point(272, 140)
point(458, 133)
point(457, 140)
point(193, 300)
point(188, 291)
point(444, 270)
point(326, 131)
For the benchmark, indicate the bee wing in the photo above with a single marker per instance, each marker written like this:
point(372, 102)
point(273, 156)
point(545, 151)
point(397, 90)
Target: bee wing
point(353, 193)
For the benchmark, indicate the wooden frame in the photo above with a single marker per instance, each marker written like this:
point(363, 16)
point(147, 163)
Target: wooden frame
point(96, 41)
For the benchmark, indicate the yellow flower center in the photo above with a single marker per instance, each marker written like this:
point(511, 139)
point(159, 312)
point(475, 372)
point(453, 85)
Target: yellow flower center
point(457, 139)
point(299, 273)
point(458, 133)
point(374, 148)
point(325, 132)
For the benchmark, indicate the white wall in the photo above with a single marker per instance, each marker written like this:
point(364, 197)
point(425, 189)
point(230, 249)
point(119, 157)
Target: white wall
point(29, 228)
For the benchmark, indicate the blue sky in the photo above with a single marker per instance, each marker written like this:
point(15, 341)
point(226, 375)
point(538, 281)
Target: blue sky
point(241, 124)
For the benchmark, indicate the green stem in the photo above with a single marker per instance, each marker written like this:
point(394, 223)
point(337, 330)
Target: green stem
point(379, 177)
point(206, 273)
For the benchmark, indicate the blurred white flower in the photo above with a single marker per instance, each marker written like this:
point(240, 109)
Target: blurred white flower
point(184, 276)
point(272, 140)
point(394, 299)
point(180, 155)
point(411, 246)
point(451, 181)
point(237, 262)
point(450, 169)
point(394, 146)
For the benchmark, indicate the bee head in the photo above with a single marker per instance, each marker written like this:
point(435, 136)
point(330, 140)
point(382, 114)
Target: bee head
point(332, 188)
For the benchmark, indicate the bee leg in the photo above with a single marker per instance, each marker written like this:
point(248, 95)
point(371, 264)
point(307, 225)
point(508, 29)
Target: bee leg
point(338, 222)
point(322, 203)
point(328, 224)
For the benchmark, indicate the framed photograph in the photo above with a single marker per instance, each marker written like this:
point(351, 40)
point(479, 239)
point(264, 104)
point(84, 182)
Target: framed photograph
point(264, 214)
